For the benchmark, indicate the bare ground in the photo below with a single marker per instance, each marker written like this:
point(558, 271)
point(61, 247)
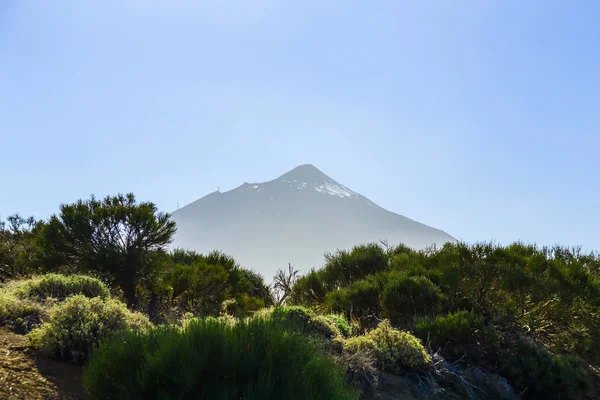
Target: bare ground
point(25, 375)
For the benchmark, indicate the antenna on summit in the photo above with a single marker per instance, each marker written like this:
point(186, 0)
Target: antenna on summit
point(218, 189)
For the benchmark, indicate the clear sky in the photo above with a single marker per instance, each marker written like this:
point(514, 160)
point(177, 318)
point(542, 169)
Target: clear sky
point(481, 118)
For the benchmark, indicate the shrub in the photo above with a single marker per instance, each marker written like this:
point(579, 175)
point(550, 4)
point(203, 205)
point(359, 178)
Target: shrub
point(60, 287)
point(543, 375)
point(361, 297)
point(394, 351)
point(77, 324)
point(341, 323)
point(253, 359)
point(19, 315)
point(306, 321)
point(457, 334)
point(407, 296)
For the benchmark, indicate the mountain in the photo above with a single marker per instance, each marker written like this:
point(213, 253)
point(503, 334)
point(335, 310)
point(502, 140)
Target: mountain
point(295, 218)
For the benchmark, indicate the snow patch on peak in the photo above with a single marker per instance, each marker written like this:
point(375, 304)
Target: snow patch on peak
point(336, 190)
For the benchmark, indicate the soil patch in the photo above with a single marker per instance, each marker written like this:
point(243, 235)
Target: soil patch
point(25, 375)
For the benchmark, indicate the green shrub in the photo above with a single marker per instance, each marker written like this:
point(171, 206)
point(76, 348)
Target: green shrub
point(394, 351)
point(341, 323)
point(61, 286)
point(253, 359)
point(361, 297)
point(19, 315)
point(77, 324)
point(306, 321)
point(407, 296)
point(544, 375)
point(457, 334)
point(243, 305)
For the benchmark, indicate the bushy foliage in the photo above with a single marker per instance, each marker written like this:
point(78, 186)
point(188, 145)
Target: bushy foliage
point(457, 334)
point(408, 296)
point(340, 270)
point(341, 323)
point(394, 351)
point(553, 293)
point(116, 236)
point(306, 321)
point(19, 315)
point(200, 284)
point(59, 287)
point(19, 254)
point(76, 325)
point(360, 298)
point(253, 359)
point(540, 374)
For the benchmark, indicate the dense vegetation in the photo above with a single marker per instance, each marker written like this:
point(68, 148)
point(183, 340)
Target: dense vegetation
point(208, 359)
point(96, 285)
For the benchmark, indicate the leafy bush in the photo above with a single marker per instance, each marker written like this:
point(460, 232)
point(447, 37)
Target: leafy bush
point(77, 324)
point(361, 297)
point(341, 323)
point(394, 351)
point(60, 287)
point(543, 375)
point(407, 296)
point(306, 321)
point(458, 333)
point(253, 359)
point(19, 315)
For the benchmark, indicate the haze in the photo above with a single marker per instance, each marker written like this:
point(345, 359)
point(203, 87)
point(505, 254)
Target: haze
point(476, 117)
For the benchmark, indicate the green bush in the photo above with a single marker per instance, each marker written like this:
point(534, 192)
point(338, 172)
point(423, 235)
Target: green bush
point(306, 321)
point(457, 334)
point(543, 375)
point(77, 324)
point(341, 323)
point(19, 315)
point(361, 297)
point(61, 286)
point(394, 351)
point(407, 296)
point(253, 359)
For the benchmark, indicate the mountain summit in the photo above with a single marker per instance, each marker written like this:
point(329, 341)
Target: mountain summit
point(295, 218)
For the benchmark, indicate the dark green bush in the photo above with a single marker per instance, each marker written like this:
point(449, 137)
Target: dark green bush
point(361, 297)
point(77, 324)
point(60, 287)
point(540, 374)
point(457, 334)
point(408, 296)
point(254, 359)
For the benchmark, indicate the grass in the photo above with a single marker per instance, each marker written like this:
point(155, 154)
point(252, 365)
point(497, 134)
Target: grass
point(208, 359)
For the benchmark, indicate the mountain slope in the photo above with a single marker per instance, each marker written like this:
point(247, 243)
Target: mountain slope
point(295, 218)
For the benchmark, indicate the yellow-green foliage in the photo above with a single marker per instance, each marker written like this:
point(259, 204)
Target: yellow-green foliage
point(60, 287)
point(77, 324)
point(323, 326)
point(305, 320)
point(13, 310)
point(394, 351)
point(340, 322)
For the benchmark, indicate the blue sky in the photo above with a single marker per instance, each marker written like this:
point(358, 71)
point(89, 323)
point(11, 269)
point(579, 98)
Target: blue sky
point(481, 118)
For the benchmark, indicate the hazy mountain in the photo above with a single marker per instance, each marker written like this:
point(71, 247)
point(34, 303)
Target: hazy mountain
point(295, 218)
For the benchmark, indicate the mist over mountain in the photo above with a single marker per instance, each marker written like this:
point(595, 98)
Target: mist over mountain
point(295, 219)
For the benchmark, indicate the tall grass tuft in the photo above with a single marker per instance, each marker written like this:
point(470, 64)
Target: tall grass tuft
point(208, 359)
